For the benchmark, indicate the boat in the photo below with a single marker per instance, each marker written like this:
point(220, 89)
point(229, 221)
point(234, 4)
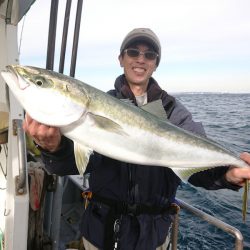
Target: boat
point(38, 210)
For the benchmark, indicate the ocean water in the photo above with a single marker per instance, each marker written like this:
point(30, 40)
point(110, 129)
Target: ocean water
point(226, 119)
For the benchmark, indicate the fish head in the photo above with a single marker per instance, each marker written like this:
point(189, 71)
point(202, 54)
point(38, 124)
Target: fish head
point(49, 97)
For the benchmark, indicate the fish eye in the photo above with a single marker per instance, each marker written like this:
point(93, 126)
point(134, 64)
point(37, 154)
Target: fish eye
point(42, 82)
point(39, 82)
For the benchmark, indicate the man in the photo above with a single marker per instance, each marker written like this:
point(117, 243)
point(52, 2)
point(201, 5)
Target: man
point(131, 205)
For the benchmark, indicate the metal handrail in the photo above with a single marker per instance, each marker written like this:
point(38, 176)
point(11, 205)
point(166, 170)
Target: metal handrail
point(76, 37)
point(21, 144)
point(64, 35)
point(210, 219)
point(54, 220)
point(52, 35)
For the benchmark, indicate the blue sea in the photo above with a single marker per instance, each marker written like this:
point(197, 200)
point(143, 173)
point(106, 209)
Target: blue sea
point(226, 119)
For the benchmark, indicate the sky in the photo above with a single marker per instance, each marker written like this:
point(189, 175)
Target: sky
point(205, 43)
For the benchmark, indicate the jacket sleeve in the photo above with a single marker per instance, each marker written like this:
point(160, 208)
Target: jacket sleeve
point(211, 179)
point(61, 162)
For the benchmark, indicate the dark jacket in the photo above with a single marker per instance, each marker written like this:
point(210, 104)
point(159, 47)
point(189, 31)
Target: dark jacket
point(134, 184)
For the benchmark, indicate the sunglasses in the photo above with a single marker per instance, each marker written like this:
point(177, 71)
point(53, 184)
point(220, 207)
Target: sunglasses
point(150, 55)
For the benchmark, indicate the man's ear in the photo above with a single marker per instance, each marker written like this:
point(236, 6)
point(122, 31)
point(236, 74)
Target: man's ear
point(120, 58)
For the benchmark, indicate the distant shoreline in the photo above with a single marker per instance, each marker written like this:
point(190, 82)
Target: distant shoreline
point(210, 93)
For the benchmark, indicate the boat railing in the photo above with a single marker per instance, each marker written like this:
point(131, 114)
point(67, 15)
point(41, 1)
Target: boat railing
point(210, 219)
point(21, 178)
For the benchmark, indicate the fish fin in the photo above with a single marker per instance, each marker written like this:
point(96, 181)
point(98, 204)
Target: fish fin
point(107, 124)
point(184, 173)
point(155, 108)
point(31, 147)
point(128, 101)
point(82, 154)
point(245, 200)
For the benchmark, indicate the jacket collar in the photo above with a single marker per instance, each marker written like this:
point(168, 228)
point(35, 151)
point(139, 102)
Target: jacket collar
point(154, 92)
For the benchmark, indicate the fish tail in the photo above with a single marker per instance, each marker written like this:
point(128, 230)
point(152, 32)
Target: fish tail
point(245, 200)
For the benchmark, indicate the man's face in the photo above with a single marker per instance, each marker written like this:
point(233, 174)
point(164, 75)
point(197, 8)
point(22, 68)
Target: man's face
point(138, 69)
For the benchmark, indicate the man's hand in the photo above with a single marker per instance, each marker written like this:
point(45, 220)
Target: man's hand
point(238, 176)
point(48, 138)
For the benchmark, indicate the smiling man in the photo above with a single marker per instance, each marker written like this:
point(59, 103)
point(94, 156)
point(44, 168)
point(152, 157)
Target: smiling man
point(139, 60)
point(131, 205)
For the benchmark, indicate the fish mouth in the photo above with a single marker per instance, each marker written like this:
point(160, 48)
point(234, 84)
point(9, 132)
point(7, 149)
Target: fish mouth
point(17, 77)
point(9, 75)
point(10, 69)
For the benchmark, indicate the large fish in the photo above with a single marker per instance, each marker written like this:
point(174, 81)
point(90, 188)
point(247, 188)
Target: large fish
point(96, 121)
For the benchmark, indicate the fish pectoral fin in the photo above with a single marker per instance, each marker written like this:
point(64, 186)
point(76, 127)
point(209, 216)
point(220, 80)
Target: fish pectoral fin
point(82, 154)
point(155, 108)
point(106, 124)
point(128, 101)
point(184, 172)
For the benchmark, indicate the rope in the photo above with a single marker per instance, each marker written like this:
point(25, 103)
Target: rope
point(21, 36)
